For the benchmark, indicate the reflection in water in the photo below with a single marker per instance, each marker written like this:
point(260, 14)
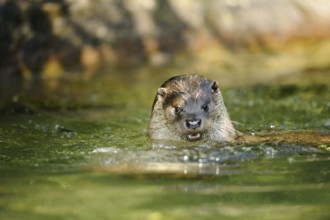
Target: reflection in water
point(203, 159)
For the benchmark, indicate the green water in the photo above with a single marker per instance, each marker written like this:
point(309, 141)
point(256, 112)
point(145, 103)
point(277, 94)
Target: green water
point(75, 149)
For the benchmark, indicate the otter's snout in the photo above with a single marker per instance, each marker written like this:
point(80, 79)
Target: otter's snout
point(193, 123)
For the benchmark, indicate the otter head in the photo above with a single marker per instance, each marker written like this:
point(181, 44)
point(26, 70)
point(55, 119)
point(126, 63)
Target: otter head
point(188, 107)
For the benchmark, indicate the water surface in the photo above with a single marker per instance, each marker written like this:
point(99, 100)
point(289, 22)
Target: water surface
point(75, 149)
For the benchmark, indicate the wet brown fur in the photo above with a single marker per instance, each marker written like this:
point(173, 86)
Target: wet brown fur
point(190, 93)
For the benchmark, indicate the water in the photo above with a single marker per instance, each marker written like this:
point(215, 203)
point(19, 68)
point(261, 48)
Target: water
point(75, 149)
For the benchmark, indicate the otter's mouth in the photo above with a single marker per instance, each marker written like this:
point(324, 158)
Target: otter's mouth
point(194, 136)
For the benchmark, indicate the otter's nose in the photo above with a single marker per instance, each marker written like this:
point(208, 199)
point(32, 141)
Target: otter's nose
point(193, 123)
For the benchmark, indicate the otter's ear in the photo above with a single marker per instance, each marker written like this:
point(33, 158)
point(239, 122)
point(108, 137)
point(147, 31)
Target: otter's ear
point(215, 86)
point(161, 93)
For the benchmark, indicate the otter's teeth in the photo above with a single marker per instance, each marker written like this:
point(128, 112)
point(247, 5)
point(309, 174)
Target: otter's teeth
point(193, 137)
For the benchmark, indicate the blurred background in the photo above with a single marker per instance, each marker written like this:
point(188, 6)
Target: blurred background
point(49, 38)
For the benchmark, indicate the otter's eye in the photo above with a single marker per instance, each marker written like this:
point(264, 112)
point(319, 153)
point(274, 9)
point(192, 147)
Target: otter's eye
point(205, 108)
point(177, 110)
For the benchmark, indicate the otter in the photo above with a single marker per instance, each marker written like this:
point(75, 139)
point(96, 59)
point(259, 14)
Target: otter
point(190, 107)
